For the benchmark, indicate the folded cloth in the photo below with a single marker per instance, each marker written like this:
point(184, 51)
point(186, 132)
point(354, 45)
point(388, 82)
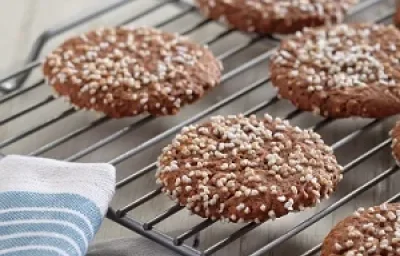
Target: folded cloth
point(49, 207)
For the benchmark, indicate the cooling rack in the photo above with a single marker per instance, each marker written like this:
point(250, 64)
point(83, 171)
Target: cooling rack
point(240, 91)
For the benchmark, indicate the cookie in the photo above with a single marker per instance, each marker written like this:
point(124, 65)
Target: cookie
point(275, 16)
point(243, 169)
point(127, 71)
point(341, 71)
point(396, 17)
point(374, 231)
point(395, 134)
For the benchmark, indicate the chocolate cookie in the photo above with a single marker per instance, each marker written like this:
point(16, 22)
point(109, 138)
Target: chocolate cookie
point(395, 134)
point(275, 16)
point(243, 169)
point(396, 17)
point(375, 231)
point(341, 71)
point(127, 71)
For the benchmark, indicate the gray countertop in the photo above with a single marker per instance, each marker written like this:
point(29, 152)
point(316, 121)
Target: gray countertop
point(26, 20)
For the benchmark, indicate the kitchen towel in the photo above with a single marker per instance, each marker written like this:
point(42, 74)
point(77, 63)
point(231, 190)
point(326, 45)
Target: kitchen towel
point(50, 207)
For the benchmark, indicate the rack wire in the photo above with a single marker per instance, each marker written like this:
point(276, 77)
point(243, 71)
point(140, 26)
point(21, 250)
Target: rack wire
point(16, 88)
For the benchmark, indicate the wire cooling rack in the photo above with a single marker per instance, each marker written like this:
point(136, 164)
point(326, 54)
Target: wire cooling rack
point(14, 87)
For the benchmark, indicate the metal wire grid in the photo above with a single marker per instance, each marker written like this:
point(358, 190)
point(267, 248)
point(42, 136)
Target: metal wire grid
point(147, 228)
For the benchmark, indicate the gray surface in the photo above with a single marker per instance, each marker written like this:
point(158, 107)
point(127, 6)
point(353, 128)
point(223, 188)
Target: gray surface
point(29, 18)
point(129, 247)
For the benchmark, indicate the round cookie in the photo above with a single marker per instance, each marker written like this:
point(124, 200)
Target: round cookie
point(375, 231)
point(396, 17)
point(128, 71)
point(243, 169)
point(341, 71)
point(275, 16)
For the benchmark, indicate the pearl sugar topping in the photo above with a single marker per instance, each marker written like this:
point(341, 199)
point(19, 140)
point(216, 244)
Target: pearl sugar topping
point(341, 56)
point(243, 158)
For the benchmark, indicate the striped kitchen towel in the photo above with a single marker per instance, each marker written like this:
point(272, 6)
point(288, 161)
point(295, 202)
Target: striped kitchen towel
point(49, 207)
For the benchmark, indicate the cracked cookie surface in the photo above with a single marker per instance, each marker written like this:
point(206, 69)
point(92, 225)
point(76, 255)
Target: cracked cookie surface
point(341, 71)
point(275, 16)
point(368, 232)
point(128, 71)
point(243, 169)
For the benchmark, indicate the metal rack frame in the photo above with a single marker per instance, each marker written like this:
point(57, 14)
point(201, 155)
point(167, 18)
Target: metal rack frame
point(146, 229)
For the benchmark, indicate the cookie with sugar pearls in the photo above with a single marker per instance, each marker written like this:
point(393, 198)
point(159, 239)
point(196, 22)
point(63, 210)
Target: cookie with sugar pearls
point(372, 231)
point(341, 71)
point(128, 71)
point(275, 16)
point(396, 17)
point(243, 169)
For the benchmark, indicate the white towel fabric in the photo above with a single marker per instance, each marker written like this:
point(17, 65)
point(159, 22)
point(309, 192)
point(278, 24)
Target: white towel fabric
point(49, 207)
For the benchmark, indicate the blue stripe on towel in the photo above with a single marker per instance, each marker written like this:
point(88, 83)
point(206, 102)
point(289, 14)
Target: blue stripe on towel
point(34, 252)
point(59, 243)
point(51, 227)
point(48, 214)
point(60, 221)
point(19, 199)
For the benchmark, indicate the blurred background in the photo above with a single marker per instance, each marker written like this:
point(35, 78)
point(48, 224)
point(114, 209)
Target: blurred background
point(25, 20)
